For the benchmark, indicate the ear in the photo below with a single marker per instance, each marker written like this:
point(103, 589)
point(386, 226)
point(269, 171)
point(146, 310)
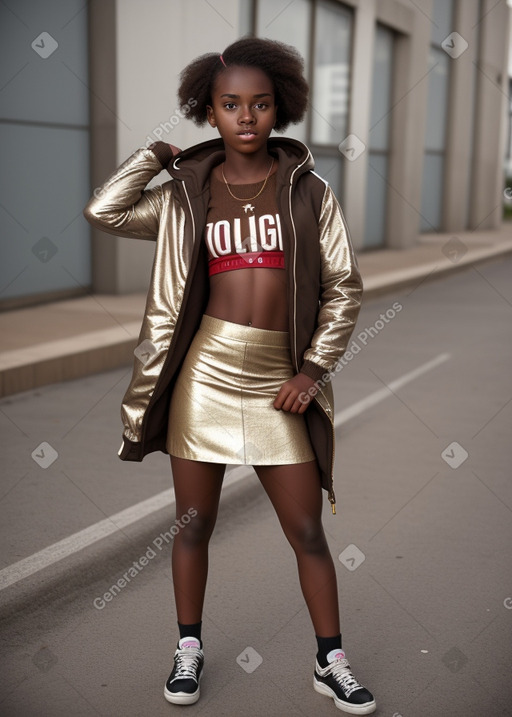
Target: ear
point(210, 116)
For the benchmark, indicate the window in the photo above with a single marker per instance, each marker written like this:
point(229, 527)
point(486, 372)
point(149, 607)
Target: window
point(331, 78)
point(330, 94)
point(290, 23)
point(379, 143)
point(44, 126)
point(437, 108)
point(246, 9)
point(327, 53)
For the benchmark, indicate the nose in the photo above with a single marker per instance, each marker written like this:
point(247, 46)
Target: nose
point(246, 116)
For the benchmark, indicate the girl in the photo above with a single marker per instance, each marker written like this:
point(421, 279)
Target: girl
point(254, 294)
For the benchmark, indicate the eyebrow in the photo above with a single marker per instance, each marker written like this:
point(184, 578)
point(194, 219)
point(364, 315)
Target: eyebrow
point(237, 97)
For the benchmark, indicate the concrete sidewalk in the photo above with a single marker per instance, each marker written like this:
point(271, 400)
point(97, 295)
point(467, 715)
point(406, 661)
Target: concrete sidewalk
point(68, 339)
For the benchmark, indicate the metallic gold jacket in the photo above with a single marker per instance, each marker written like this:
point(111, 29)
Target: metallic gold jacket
point(323, 281)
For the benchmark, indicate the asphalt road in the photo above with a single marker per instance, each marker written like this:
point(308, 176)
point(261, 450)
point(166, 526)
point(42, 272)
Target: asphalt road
point(421, 539)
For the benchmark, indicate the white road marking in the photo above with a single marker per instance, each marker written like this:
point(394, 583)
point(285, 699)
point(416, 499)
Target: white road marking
point(377, 396)
point(78, 541)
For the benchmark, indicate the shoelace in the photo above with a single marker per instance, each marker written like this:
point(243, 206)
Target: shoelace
point(187, 662)
point(341, 672)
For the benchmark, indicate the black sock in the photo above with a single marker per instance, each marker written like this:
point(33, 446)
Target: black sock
point(191, 631)
point(325, 645)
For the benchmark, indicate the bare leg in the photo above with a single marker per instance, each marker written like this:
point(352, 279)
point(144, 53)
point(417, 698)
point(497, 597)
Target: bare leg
point(197, 486)
point(296, 494)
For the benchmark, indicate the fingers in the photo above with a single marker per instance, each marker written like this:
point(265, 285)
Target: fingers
point(303, 403)
point(290, 399)
point(281, 397)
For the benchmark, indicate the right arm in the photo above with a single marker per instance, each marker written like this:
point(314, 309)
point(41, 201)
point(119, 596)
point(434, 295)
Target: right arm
point(121, 205)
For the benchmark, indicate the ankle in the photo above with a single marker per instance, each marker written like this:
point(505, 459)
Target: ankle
point(325, 646)
point(191, 630)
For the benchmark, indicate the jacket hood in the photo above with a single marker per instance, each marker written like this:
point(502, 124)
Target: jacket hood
point(194, 165)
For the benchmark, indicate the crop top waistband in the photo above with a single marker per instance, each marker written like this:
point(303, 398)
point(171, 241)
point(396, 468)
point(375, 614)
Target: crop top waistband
point(248, 260)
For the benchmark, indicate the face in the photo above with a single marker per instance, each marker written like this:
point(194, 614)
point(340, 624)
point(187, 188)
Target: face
point(244, 109)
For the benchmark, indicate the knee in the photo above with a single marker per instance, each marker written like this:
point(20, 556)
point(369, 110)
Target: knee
point(309, 538)
point(197, 532)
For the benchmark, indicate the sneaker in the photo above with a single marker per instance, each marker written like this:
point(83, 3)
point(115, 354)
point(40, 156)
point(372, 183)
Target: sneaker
point(182, 687)
point(337, 681)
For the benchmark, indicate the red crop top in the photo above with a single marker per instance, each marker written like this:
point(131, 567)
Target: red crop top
point(243, 234)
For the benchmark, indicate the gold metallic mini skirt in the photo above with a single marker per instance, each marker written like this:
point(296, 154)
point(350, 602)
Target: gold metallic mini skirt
point(221, 407)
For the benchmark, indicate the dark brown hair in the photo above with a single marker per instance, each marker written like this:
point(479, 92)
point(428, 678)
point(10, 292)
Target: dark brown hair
point(282, 63)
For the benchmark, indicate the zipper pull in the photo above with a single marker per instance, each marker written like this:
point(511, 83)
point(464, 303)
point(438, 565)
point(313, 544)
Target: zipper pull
point(332, 501)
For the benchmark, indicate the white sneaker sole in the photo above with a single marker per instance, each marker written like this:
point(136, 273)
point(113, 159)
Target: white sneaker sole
point(182, 698)
point(365, 709)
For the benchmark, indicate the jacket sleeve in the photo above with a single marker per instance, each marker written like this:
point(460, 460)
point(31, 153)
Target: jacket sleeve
point(341, 291)
point(121, 206)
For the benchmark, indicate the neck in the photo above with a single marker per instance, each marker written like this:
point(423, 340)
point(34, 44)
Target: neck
point(245, 167)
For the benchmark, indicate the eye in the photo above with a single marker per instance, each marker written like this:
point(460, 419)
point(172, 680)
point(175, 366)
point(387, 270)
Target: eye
point(261, 106)
point(230, 105)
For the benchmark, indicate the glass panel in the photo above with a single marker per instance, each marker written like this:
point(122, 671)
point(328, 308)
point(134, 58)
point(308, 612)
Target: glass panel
point(437, 100)
point(381, 89)
point(441, 17)
point(245, 16)
point(432, 192)
point(329, 168)
point(287, 22)
point(331, 74)
point(472, 100)
point(44, 74)
point(44, 184)
point(44, 174)
point(376, 196)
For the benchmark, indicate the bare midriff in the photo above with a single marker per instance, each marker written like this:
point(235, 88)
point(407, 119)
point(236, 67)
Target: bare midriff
point(254, 297)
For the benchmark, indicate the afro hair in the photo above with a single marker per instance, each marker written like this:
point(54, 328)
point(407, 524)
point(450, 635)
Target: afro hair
point(282, 63)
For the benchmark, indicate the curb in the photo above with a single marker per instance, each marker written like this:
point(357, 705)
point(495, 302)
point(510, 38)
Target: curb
point(64, 360)
point(376, 286)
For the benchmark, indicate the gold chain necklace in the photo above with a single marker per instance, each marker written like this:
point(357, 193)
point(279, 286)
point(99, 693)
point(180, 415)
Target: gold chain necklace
point(247, 199)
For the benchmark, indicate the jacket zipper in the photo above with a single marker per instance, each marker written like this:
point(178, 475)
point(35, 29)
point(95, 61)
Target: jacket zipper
point(331, 495)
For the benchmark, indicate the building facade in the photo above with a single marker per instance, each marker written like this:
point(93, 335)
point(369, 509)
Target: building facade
point(408, 119)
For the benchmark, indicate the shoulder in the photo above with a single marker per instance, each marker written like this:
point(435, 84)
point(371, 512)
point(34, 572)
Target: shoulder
point(313, 182)
point(312, 189)
point(216, 172)
point(318, 179)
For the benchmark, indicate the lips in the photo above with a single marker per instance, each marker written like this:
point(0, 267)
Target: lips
point(247, 133)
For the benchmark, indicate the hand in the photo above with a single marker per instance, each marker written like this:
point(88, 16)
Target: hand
point(293, 395)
